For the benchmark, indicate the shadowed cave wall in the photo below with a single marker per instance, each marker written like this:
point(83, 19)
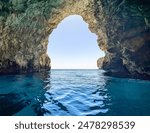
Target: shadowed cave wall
point(122, 27)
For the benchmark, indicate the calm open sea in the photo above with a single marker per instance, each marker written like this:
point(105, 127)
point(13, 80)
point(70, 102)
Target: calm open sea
point(73, 92)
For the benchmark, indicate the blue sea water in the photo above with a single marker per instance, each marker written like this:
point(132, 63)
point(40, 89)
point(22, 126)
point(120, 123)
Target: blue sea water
point(73, 92)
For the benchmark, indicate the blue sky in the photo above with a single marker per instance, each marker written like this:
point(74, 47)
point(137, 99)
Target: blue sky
point(73, 46)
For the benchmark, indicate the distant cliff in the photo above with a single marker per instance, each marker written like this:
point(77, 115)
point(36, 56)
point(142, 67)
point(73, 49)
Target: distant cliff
point(122, 27)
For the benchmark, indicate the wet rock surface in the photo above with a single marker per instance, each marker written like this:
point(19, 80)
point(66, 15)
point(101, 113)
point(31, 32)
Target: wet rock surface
point(122, 27)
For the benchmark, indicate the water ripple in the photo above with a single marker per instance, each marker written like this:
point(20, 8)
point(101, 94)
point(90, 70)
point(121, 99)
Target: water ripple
point(76, 95)
point(73, 93)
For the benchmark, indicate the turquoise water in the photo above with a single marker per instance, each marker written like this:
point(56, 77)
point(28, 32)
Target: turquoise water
point(73, 92)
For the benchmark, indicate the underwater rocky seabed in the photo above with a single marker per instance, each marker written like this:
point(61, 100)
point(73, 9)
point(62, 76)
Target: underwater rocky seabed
point(123, 30)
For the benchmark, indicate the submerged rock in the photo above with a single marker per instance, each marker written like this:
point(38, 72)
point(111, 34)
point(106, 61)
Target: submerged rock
point(122, 27)
point(12, 103)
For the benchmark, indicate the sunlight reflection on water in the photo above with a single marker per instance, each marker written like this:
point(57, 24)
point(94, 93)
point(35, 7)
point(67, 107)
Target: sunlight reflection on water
point(73, 92)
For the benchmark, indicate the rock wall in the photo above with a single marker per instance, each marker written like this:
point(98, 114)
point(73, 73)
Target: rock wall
point(122, 27)
point(128, 32)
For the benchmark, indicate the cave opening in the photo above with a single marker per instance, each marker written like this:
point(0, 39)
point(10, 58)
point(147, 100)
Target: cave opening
point(73, 46)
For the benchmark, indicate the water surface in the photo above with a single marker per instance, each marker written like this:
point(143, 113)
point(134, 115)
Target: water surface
point(73, 92)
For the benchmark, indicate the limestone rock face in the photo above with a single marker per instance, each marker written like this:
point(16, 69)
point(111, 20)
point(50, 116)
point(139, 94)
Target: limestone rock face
point(128, 38)
point(122, 27)
point(100, 62)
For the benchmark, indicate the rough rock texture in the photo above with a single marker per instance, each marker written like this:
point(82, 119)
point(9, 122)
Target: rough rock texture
point(128, 32)
point(100, 62)
point(122, 27)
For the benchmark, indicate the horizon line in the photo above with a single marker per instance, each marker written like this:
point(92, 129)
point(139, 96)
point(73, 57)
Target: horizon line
point(74, 68)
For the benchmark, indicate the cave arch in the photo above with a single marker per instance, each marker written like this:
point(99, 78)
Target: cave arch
point(83, 8)
point(123, 33)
